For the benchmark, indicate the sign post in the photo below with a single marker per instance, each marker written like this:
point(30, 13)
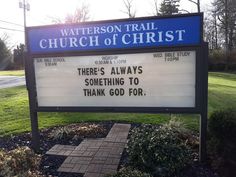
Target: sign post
point(32, 105)
point(146, 65)
point(203, 115)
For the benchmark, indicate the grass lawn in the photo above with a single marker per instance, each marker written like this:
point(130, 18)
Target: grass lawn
point(12, 73)
point(14, 112)
point(221, 91)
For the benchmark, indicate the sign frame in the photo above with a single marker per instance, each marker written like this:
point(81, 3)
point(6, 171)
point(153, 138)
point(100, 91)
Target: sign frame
point(201, 76)
point(195, 109)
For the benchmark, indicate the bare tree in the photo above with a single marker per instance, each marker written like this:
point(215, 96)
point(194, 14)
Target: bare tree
point(81, 14)
point(215, 28)
point(156, 10)
point(129, 8)
point(197, 2)
point(226, 15)
point(211, 29)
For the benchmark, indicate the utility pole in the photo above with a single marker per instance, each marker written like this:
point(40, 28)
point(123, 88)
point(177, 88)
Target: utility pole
point(26, 7)
point(198, 6)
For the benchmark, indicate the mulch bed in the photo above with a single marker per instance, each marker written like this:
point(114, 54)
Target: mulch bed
point(50, 164)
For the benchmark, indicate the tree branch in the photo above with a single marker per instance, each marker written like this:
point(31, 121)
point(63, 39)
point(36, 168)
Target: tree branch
point(193, 2)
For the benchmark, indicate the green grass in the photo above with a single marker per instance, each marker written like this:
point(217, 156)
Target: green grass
point(12, 73)
point(14, 110)
point(221, 91)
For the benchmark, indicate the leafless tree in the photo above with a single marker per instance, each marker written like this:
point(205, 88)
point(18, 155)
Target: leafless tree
point(156, 10)
point(81, 14)
point(129, 8)
point(225, 12)
point(197, 2)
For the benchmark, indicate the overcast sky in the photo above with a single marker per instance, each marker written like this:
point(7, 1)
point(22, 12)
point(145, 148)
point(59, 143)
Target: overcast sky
point(43, 11)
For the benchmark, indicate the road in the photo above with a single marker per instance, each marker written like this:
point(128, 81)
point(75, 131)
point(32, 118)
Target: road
point(11, 81)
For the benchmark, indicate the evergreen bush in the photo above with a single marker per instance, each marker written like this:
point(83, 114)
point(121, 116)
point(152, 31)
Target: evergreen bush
point(161, 151)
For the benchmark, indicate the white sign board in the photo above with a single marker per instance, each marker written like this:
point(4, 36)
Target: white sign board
point(160, 79)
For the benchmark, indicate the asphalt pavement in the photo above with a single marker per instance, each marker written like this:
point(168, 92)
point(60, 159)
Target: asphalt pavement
point(11, 81)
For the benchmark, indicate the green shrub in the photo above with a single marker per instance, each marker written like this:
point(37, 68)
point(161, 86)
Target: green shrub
point(222, 131)
point(222, 139)
point(159, 150)
point(20, 162)
point(129, 172)
point(222, 124)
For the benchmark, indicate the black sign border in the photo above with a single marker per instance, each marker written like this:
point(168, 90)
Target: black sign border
point(31, 83)
point(201, 92)
point(195, 109)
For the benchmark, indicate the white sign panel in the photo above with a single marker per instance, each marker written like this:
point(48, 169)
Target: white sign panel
point(161, 79)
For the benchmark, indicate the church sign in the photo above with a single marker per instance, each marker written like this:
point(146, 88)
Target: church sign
point(147, 65)
point(119, 34)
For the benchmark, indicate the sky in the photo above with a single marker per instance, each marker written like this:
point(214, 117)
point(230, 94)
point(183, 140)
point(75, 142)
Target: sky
point(42, 12)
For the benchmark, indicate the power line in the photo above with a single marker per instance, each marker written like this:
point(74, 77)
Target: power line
point(11, 23)
point(11, 29)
